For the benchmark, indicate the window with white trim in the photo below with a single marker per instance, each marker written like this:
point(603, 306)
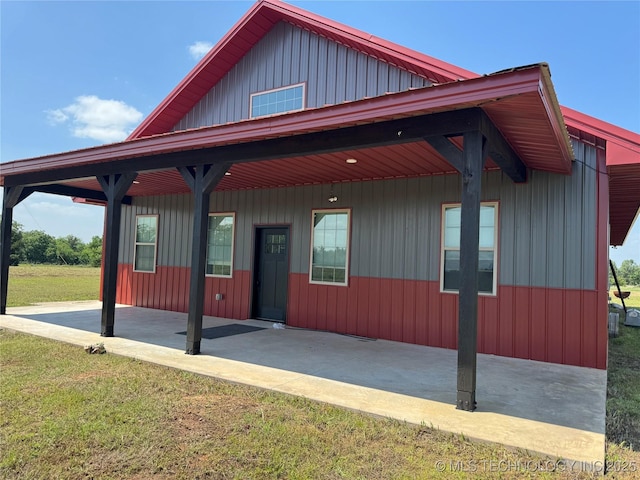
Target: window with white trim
point(220, 236)
point(487, 254)
point(278, 100)
point(330, 247)
point(146, 243)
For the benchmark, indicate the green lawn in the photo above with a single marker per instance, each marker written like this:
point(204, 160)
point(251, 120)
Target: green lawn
point(29, 284)
point(66, 414)
point(633, 301)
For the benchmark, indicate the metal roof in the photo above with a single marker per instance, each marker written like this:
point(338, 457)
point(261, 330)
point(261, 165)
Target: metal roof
point(251, 28)
point(516, 101)
point(623, 168)
point(521, 102)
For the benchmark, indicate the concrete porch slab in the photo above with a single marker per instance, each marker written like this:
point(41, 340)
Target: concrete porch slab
point(555, 410)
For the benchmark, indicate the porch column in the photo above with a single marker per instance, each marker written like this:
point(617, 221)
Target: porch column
point(472, 162)
point(115, 187)
point(12, 196)
point(202, 179)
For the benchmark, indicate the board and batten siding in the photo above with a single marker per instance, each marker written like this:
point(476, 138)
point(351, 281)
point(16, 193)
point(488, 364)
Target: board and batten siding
point(546, 308)
point(289, 55)
point(546, 238)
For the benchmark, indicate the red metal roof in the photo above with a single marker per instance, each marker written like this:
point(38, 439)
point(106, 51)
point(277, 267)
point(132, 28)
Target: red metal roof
point(623, 168)
point(515, 100)
point(251, 28)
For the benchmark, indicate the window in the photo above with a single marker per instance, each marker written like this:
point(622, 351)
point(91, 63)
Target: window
point(330, 247)
point(146, 243)
point(220, 244)
point(280, 100)
point(450, 278)
point(276, 244)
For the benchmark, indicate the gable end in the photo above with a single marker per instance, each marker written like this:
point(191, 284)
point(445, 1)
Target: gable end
point(288, 55)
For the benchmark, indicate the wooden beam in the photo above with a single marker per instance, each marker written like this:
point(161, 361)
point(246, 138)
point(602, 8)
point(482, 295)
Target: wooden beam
point(500, 151)
point(389, 132)
point(448, 150)
point(69, 191)
point(473, 159)
point(115, 187)
point(202, 179)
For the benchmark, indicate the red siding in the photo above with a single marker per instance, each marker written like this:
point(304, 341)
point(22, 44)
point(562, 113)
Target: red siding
point(168, 289)
point(553, 325)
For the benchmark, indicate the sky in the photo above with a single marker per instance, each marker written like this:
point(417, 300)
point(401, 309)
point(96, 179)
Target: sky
point(78, 74)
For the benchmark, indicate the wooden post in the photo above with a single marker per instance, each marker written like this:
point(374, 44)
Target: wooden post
point(202, 179)
point(115, 187)
point(12, 196)
point(473, 161)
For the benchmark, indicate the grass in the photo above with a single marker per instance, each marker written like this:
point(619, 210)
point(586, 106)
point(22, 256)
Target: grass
point(29, 284)
point(66, 414)
point(632, 301)
point(623, 386)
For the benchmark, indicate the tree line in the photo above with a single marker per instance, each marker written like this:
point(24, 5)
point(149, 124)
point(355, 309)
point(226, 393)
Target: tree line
point(36, 246)
point(628, 273)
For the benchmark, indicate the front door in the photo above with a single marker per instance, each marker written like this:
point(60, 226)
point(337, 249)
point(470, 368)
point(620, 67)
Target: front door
point(271, 273)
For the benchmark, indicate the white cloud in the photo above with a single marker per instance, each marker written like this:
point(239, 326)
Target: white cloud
point(56, 116)
point(199, 49)
point(98, 119)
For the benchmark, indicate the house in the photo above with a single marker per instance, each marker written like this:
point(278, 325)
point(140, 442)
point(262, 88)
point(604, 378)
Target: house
point(308, 173)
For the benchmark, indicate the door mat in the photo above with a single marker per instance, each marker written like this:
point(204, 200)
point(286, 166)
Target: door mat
point(225, 331)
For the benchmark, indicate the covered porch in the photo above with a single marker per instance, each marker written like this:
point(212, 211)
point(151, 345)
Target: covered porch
point(461, 127)
point(555, 410)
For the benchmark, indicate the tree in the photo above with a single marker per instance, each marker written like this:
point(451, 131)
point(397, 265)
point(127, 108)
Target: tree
point(16, 243)
point(629, 271)
point(38, 247)
point(68, 250)
point(92, 252)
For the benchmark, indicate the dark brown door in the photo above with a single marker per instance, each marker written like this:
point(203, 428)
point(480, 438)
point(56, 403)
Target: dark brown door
point(271, 273)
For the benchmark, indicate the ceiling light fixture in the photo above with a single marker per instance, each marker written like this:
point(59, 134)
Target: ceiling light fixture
point(351, 160)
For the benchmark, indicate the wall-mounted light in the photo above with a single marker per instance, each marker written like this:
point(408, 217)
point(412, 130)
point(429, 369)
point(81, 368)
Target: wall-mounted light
point(227, 173)
point(351, 160)
point(332, 196)
point(136, 182)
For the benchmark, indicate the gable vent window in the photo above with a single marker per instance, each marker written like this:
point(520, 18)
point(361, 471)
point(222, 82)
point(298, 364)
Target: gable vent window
point(279, 100)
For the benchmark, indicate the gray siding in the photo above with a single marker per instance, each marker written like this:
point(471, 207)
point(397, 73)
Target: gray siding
point(547, 226)
point(288, 55)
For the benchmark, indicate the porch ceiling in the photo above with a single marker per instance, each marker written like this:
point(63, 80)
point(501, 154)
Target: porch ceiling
point(520, 103)
point(395, 161)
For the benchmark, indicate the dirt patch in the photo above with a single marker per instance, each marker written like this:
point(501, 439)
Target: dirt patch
point(211, 415)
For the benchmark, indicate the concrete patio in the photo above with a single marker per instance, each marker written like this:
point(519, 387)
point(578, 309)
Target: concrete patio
point(555, 410)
